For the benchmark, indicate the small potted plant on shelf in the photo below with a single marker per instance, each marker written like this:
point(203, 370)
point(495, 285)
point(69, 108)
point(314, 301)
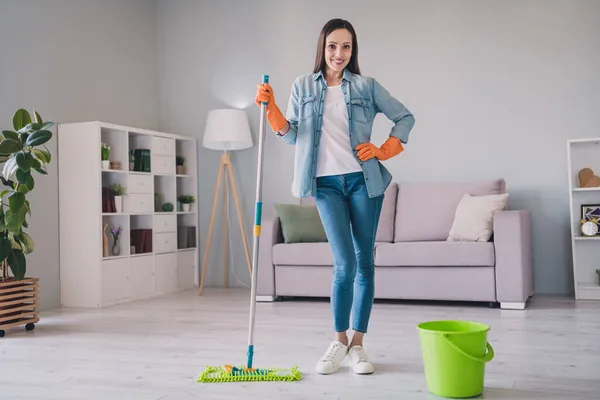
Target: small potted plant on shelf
point(105, 151)
point(23, 153)
point(186, 202)
point(179, 161)
point(119, 190)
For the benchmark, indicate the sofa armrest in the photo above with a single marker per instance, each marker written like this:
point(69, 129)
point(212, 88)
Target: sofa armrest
point(514, 258)
point(270, 235)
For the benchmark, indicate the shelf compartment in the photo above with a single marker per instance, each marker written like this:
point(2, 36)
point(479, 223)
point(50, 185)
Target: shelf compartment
point(141, 234)
point(110, 222)
point(164, 192)
point(117, 140)
point(186, 231)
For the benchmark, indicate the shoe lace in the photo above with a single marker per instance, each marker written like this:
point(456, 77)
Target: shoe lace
point(331, 353)
point(360, 354)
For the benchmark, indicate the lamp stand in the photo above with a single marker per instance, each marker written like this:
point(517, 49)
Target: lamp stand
point(225, 164)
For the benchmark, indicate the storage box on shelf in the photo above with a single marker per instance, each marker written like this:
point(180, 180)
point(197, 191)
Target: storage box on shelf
point(144, 222)
point(583, 197)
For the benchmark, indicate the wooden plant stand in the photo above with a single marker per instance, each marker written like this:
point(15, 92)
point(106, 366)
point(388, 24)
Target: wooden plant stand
point(18, 303)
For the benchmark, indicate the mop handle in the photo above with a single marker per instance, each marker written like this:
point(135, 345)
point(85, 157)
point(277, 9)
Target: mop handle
point(257, 223)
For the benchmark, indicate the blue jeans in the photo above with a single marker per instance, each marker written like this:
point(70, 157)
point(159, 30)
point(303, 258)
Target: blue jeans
point(350, 220)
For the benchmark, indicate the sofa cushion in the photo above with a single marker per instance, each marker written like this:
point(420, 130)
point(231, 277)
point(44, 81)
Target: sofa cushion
point(426, 211)
point(385, 230)
point(474, 218)
point(300, 223)
point(435, 254)
point(302, 254)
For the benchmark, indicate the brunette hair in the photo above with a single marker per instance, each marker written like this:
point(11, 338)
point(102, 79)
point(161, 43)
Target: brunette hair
point(330, 26)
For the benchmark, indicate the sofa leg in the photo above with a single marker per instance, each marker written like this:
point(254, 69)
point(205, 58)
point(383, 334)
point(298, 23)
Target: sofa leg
point(505, 305)
point(265, 299)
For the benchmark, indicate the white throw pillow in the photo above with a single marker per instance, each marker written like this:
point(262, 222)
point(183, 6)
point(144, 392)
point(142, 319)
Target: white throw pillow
point(474, 217)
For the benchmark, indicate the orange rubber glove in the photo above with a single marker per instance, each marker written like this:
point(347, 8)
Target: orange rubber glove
point(274, 115)
point(392, 147)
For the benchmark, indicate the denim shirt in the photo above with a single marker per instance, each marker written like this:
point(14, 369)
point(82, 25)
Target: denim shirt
point(364, 97)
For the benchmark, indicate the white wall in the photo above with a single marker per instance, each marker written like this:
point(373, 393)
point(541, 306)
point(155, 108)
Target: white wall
point(74, 61)
point(496, 87)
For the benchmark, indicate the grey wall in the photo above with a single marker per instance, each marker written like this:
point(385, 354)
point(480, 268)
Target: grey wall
point(74, 61)
point(497, 88)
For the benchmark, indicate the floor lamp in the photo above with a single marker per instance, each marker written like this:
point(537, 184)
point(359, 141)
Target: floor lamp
point(226, 130)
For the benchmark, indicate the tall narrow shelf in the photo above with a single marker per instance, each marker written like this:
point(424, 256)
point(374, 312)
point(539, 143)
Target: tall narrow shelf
point(583, 153)
point(153, 258)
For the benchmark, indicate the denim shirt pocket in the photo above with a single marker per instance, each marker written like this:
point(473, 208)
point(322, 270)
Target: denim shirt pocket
point(362, 109)
point(306, 107)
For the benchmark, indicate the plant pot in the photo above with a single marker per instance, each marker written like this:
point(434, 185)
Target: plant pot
point(180, 169)
point(119, 203)
point(116, 247)
point(186, 207)
point(105, 164)
point(18, 303)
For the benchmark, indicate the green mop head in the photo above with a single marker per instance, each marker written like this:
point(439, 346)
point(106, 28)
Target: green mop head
point(228, 373)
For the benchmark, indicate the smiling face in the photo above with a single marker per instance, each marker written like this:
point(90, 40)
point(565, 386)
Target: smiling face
point(338, 49)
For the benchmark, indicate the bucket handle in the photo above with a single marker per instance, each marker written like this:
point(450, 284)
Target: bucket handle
point(487, 357)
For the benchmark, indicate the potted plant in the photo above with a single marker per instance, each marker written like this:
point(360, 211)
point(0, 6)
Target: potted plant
point(23, 153)
point(119, 191)
point(179, 161)
point(105, 151)
point(186, 202)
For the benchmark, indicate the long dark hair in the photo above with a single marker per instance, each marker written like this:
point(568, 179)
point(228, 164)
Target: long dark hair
point(330, 26)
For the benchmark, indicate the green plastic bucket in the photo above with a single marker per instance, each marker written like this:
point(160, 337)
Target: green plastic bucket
point(454, 357)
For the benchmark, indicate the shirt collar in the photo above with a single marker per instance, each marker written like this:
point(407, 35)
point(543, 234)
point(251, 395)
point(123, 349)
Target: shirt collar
point(346, 75)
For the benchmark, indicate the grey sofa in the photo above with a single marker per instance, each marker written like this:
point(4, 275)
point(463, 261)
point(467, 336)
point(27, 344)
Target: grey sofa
point(413, 259)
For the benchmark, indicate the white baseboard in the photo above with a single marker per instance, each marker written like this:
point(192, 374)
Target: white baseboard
point(265, 298)
point(505, 305)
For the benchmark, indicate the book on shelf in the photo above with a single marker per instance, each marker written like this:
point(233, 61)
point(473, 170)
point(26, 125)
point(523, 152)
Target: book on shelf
point(141, 239)
point(141, 160)
point(108, 200)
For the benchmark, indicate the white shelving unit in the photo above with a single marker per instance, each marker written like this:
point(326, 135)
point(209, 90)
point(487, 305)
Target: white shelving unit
point(88, 276)
point(584, 153)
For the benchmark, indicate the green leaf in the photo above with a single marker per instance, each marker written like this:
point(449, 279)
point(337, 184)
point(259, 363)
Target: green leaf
point(24, 161)
point(42, 155)
point(4, 193)
point(21, 119)
point(10, 135)
point(30, 183)
point(22, 176)
point(9, 168)
point(9, 146)
point(13, 221)
point(38, 117)
point(47, 125)
point(27, 208)
point(28, 243)
point(37, 138)
point(16, 201)
point(5, 247)
point(18, 264)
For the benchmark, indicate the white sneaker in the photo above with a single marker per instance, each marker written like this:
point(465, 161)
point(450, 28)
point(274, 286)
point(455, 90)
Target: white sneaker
point(331, 360)
point(360, 361)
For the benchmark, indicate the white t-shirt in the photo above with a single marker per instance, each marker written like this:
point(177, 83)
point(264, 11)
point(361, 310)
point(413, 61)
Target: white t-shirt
point(335, 154)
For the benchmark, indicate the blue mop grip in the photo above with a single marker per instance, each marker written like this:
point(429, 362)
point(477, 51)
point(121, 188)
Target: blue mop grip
point(250, 356)
point(265, 79)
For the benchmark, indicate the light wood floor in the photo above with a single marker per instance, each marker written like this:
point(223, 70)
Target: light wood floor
point(155, 349)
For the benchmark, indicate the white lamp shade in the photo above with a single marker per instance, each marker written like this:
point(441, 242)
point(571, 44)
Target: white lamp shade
point(227, 129)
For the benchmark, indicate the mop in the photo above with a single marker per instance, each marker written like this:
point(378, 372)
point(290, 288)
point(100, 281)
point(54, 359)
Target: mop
point(232, 373)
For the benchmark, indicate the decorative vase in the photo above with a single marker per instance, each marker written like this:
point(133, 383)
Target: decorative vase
point(105, 164)
point(116, 247)
point(186, 207)
point(119, 204)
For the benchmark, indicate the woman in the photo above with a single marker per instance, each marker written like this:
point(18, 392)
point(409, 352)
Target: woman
point(329, 120)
